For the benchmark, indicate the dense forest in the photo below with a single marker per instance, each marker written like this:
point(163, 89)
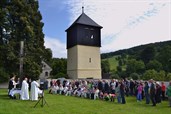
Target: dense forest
point(141, 62)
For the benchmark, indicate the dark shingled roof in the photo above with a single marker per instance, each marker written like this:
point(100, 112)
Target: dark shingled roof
point(85, 20)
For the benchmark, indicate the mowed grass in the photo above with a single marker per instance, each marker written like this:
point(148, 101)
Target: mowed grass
point(59, 104)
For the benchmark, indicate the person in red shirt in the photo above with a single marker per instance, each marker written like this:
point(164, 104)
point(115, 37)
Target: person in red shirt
point(163, 86)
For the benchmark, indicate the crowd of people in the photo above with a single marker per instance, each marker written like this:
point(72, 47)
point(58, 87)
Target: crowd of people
point(23, 90)
point(107, 90)
point(113, 89)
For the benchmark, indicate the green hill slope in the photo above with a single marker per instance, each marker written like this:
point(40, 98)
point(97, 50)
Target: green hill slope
point(113, 62)
point(144, 61)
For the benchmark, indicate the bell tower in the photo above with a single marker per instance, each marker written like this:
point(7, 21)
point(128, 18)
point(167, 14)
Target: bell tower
point(83, 48)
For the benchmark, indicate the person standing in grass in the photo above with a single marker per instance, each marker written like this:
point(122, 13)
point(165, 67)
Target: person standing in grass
point(132, 86)
point(146, 91)
point(11, 84)
point(11, 87)
point(163, 86)
point(158, 92)
point(25, 90)
point(152, 92)
point(34, 90)
point(122, 92)
point(117, 91)
point(139, 94)
point(168, 92)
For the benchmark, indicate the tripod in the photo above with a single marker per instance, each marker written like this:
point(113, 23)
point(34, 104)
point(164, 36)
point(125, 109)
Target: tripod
point(41, 100)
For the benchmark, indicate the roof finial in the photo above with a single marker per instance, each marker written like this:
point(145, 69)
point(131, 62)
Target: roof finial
point(83, 6)
point(82, 9)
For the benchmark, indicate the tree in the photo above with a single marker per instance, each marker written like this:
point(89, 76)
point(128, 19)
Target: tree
point(148, 54)
point(114, 76)
point(134, 66)
point(59, 66)
point(150, 74)
point(4, 25)
point(154, 64)
point(120, 62)
point(21, 21)
point(140, 66)
point(48, 54)
point(60, 75)
point(161, 76)
point(119, 69)
point(105, 66)
point(130, 66)
point(135, 76)
point(168, 77)
point(164, 58)
point(3, 75)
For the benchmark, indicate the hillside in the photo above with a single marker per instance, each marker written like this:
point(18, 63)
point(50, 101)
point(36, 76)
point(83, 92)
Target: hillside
point(144, 62)
point(134, 49)
point(113, 62)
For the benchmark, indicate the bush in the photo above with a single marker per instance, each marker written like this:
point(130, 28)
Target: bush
point(60, 75)
point(3, 75)
point(150, 74)
point(168, 76)
point(114, 76)
point(134, 76)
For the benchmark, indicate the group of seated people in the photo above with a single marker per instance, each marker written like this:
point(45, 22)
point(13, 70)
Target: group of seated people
point(84, 89)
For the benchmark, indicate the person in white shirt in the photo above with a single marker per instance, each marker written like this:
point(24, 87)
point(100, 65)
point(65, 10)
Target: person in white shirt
point(34, 90)
point(96, 93)
point(61, 89)
point(24, 90)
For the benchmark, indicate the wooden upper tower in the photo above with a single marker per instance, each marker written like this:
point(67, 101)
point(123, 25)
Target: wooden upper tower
point(84, 31)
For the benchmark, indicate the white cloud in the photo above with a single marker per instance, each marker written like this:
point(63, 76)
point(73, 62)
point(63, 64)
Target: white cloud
point(127, 23)
point(58, 48)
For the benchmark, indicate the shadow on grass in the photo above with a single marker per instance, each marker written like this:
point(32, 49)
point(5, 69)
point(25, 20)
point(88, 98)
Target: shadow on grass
point(142, 104)
point(4, 97)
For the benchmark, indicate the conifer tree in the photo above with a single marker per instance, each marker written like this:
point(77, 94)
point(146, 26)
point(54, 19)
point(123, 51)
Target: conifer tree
point(21, 21)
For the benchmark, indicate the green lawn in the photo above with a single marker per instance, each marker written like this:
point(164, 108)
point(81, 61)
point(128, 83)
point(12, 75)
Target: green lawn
point(59, 104)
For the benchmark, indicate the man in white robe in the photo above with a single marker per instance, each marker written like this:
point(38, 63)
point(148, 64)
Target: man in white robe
point(34, 90)
point(24, 90)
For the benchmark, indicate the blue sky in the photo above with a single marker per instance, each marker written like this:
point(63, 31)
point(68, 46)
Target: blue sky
point(126, 23)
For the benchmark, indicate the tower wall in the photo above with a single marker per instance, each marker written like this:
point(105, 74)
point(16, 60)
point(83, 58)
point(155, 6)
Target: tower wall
point(84, 62)
point(72, 56)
